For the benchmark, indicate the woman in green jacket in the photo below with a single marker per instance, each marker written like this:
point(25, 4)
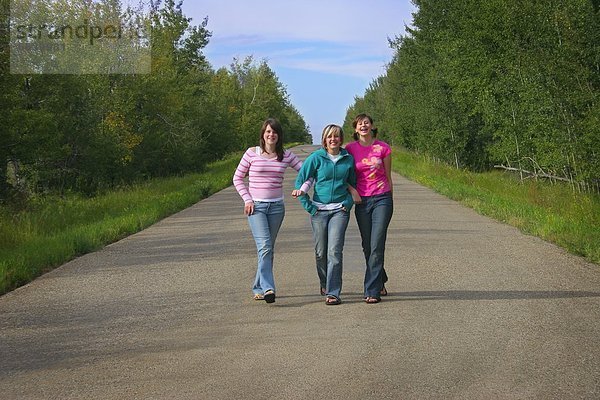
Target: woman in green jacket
point(332, 169)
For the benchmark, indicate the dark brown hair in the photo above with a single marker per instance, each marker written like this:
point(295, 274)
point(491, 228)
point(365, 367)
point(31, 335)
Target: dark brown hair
point(276, 126)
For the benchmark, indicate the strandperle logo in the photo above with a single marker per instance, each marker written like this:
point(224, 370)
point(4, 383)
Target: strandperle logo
point(84, 31)
point(78, 37)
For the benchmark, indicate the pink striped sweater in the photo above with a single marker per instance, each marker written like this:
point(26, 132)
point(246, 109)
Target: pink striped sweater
point(265, 175)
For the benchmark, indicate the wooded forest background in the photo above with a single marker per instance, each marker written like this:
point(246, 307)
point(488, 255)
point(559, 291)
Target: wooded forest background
point(88, 132)
point(478, 85)
point(499, 83)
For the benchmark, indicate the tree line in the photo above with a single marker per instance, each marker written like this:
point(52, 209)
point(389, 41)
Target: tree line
point(85, 132)
point(502, 84)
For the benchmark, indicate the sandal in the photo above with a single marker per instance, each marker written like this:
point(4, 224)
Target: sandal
point(258, 296)
point(372, 300)
point(323, 292)
point(332, 301)
point(270, 296)
point(383, 292)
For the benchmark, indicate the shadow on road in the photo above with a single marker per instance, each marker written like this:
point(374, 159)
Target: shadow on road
point(473, 295)
point(488, 295)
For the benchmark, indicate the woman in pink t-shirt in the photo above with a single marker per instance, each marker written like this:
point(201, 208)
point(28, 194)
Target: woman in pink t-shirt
point(373, 166)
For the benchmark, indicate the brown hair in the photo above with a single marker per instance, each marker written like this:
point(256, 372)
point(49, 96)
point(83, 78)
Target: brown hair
point(276, 126)
point(359, 118)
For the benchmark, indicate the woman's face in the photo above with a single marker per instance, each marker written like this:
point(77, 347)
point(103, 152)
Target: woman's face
point(333, 141)
point(270, 136)
point(363, 127)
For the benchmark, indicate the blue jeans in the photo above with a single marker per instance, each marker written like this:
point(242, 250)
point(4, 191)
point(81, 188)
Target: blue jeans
point(265, 224)
point(329, 231)
point(373, 217)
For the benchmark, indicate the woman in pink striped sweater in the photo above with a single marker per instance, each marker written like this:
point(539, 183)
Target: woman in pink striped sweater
point(263, 199)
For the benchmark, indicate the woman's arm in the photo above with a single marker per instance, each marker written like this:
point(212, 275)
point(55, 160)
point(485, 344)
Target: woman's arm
point(387, 164)
point(355, 196)
point(306, 173)
point(238, 182)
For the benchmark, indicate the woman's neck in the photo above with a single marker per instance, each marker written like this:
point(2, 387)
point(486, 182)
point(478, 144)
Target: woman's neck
point(270, 149)
point(333, 152)
point(366, 140)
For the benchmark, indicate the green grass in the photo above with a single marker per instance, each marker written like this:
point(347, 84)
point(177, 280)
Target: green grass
point(552, 212)
point(54, 230)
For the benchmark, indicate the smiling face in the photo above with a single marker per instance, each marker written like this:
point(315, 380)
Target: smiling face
point(332, 138)
point(333, 142)
point(363, 126)
point(270, 137)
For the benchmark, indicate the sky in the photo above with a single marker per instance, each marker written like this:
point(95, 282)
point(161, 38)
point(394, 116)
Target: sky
point(324, 52)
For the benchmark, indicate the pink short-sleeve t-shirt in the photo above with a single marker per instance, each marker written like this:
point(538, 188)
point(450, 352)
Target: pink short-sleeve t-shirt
point(368, 163)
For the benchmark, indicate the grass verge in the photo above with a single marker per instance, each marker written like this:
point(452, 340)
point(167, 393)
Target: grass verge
point(552, 212)
point(55, 230)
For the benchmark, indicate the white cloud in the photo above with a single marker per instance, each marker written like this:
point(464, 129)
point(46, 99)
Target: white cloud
point(359, 30)
point(357, 69)
point(325, 51)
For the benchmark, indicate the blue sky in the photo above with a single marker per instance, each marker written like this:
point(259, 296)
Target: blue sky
point(325, 52)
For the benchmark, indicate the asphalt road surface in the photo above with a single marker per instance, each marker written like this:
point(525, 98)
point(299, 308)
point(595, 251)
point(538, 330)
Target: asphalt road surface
point(476, 310)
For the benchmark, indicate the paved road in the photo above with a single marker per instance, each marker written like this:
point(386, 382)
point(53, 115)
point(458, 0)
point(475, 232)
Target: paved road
point(477, 310)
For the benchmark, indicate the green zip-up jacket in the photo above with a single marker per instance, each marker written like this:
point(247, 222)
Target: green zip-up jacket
point(331, 179)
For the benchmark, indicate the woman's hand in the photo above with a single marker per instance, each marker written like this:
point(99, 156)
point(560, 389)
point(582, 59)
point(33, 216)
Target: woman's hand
point(355, 196)
point(249, 208)
point(297, 193)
